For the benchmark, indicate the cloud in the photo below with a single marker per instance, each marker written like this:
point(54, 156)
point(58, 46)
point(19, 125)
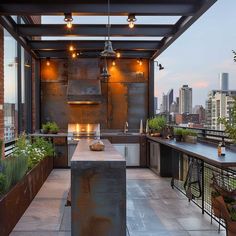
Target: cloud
point(200, 84)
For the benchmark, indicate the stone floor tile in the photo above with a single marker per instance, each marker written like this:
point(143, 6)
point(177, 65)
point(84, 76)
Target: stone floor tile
point(42, 214)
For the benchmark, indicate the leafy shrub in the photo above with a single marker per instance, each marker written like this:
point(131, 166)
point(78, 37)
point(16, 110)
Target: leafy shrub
point(25, 156)
point(38, 150)
point(2, 183)
point(178, 131)
point(157, 123)
point(50, 127)
point(189, 132)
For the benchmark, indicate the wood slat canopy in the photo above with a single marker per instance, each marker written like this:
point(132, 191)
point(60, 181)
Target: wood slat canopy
point(188, 11)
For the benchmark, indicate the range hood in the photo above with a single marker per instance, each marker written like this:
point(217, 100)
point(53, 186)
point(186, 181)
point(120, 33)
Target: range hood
point(84, 91)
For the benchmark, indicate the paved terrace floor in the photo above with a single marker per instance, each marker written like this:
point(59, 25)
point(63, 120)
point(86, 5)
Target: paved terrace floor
point(153, 209)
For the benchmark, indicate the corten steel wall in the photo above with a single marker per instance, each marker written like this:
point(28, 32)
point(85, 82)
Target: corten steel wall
point(125, 95)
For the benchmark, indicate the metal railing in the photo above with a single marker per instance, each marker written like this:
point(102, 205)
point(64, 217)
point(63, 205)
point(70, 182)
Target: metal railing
point(211, 135)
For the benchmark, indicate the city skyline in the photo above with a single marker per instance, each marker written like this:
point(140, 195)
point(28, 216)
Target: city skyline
point(199, 56)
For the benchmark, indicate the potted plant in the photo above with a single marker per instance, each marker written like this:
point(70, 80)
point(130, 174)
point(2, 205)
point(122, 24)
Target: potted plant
point(53, 128)
point(45, 128)
point(230, 126)
point(189, 136)
point(178, 134)
point(50, 127)
point(156, 125)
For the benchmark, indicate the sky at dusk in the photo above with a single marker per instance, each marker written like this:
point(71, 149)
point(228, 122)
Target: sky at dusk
point(201, 54)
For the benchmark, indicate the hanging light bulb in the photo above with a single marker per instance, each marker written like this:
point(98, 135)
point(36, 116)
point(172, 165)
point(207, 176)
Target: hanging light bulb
point(73, 55)
point(108, 50)
point(118, 55)
point(131, 19)
point(140, 62)
point(113, 62)
point(68, 19)
point(71, 48)
point(48, 61)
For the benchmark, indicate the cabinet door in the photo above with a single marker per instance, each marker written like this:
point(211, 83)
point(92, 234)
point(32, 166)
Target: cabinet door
point(155, 157)
point(132, 154)
point(120, 148)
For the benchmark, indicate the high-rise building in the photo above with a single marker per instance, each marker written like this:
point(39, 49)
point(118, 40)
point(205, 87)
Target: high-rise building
point(164, 106)
point(224, 81)
point(200, 110)
point(170, 99)
point(219, 104)
point(167, 100)
point(185, 99)
point(155, 105)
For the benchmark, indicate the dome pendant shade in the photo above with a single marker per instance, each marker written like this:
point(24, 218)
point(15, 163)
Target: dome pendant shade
point(108, 50)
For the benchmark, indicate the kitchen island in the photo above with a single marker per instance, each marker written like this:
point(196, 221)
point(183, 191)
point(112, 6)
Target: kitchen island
point(98, 191)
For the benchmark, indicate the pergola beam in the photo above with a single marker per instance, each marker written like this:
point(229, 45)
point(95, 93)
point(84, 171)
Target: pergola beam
point(92, 54)
point(93, 45)
point(141, 7)
point(95, 30)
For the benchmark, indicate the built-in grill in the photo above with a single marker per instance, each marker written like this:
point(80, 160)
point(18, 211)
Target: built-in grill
point(77, 132)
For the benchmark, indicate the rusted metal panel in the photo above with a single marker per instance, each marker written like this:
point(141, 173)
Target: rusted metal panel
point(15, 202)
point(137, 104)
point(119, 93)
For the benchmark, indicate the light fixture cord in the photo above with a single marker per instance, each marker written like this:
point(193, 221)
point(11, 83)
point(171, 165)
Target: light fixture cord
point(108, 13)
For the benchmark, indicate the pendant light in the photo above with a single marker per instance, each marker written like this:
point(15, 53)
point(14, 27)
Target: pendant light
point(68, 19)
point(108, 50)
point(131, 19)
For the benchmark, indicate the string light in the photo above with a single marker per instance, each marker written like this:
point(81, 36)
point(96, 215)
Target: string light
point(73, 55)
point(113, 62)
point(71, 48)
point(140, 61)
point(48, 61)
point(131, 19)
point(68, 19)
point(118, 55)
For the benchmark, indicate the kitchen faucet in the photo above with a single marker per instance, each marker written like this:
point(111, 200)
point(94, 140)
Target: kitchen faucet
point(126, 127)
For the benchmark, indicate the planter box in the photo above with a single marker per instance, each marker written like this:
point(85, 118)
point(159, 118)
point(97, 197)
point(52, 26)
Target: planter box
point(17, 200)
point(190, 139)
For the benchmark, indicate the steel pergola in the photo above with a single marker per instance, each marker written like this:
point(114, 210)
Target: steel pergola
point(28, 35)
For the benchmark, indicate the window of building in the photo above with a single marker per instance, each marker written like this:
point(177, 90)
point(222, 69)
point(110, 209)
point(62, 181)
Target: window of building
point(10, 88)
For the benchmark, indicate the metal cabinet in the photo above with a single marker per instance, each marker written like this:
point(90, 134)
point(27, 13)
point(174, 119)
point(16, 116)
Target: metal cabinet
point(154, 155)
point(160, 159)
point(130, 151)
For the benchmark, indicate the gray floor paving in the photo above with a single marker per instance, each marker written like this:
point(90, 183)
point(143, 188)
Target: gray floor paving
point(153, 209)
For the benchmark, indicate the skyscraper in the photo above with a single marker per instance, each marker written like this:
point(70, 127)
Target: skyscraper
point(164, 106)
point(155, 105)
point(224, 81)
point(219, 104)
point(185, 99)
point(170, 99)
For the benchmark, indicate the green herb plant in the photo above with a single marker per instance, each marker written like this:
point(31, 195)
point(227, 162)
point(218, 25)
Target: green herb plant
point(157, 123)
point(178, 131)
point(189, 132)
